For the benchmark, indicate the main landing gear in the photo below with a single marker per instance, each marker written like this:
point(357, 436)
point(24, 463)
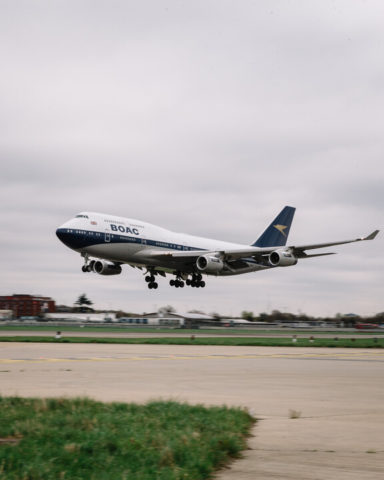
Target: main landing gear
point(195, 281)
point(178, 283)
point(151, 281)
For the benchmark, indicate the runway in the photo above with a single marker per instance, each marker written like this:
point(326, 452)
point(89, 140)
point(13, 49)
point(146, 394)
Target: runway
point(337, 394)
point(203, 333)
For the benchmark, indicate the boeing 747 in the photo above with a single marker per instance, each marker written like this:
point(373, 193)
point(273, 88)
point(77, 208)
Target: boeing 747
point(106, 242)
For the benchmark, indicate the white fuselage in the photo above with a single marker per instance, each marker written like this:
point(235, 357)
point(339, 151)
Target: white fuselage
point(114, 241)
point(125, 240)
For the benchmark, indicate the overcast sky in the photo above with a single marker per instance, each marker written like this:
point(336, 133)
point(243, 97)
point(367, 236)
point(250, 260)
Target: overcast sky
point(204, 117)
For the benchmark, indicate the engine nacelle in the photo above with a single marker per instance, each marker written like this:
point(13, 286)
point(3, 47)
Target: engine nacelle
point(106, 268)
point(209, 264)
point(282, 258)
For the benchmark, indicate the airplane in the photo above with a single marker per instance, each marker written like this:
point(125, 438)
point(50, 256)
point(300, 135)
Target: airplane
point(106, 242)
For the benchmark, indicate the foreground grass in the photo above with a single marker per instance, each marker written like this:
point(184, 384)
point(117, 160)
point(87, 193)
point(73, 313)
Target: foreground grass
point(50, 439)
point(226, 341)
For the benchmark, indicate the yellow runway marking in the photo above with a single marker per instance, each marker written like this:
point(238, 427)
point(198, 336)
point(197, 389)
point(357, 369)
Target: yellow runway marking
point(378, 356)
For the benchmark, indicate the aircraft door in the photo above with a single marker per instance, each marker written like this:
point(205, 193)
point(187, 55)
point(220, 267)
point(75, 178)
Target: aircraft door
point(107, 236)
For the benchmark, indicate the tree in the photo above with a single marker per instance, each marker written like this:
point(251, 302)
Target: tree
point(83, 302)
point(167, 309)
point(264, 317)
point(247, 316)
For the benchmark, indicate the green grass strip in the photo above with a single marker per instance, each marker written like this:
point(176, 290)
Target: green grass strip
point(51, 439)
point(226, 341)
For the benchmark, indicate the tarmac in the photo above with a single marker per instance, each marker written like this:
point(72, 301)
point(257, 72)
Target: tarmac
point(203, 333)
point(320, 411)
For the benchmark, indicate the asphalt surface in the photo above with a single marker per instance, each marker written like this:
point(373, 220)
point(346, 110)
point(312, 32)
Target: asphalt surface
point(203, 333)
point(337, 395)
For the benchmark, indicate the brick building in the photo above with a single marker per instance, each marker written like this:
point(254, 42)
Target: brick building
point(27, 305)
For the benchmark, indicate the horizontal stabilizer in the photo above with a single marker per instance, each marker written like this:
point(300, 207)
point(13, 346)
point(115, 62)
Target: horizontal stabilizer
point(304, 255)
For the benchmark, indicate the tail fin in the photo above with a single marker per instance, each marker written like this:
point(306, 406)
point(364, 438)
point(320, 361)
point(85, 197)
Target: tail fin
point(277, 232)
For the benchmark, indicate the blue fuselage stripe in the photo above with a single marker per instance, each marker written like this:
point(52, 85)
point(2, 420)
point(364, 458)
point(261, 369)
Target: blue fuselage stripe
point(78, 239)
point(82, 239)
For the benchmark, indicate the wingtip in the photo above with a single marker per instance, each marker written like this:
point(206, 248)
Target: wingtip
point(372, 235)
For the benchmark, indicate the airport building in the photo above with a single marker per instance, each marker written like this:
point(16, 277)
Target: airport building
point(6, 314)
point(27, 305)
point(80, 317)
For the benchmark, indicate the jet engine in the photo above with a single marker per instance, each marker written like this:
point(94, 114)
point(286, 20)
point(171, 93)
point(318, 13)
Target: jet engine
point(282, 258)
point(106, 268)
point(209, 264)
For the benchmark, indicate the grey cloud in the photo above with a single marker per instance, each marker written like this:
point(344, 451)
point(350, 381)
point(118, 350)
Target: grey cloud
point(204, 117)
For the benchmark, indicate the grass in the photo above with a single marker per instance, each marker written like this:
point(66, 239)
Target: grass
point(52, 439)
point(294, 414)
point(225, 341)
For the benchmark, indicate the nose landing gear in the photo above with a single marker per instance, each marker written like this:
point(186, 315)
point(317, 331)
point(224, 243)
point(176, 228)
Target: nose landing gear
point(88, 265)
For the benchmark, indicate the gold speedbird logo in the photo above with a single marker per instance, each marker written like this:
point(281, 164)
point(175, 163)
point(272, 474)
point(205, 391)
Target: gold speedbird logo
point(281, 229)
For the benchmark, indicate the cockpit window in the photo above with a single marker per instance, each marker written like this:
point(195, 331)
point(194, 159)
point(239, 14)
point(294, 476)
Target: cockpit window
point(82, 216)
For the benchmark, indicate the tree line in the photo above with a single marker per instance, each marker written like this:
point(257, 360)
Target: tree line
point(83, 304)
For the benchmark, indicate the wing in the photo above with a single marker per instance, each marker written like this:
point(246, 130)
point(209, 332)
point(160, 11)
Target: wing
point(187, 257)
point(299, 250)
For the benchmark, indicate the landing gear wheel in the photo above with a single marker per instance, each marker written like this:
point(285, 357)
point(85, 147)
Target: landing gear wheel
point(84, 268)
point(196, 281)
point(180, 280)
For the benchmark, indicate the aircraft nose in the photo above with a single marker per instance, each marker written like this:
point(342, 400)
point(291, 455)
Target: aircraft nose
point(64, 236)
point(59, 233)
